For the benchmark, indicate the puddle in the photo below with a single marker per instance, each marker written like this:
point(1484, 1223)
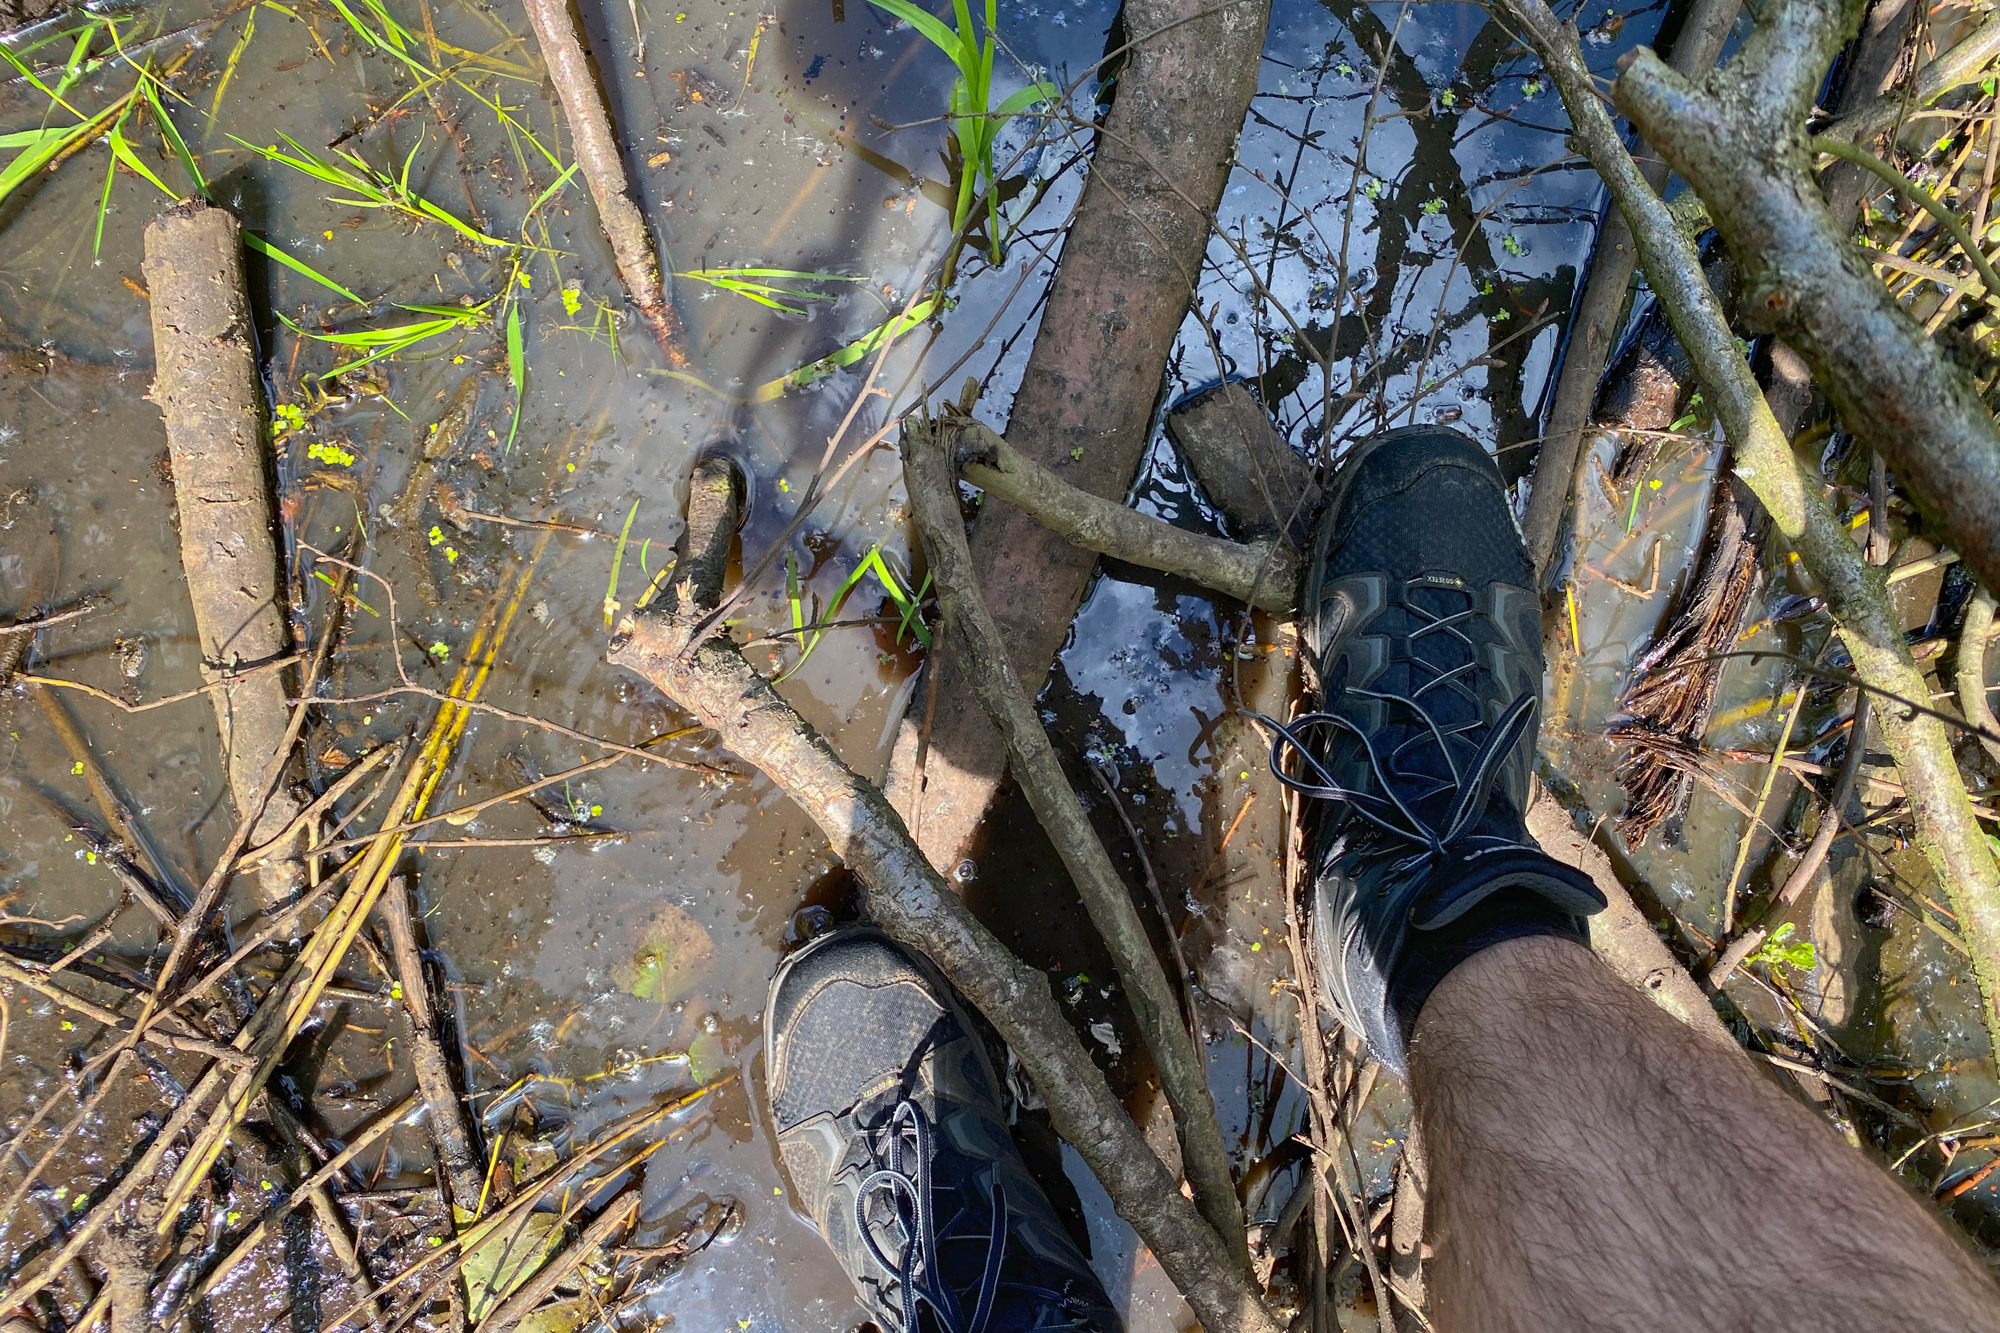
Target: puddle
point(1466, 238)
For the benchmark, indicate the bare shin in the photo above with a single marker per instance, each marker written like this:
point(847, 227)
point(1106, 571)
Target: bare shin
point(1594, 1165)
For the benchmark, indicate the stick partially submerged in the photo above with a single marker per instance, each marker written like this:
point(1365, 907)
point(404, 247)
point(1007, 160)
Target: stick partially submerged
point(604, 170)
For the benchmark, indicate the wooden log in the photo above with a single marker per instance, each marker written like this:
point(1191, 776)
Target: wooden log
point(1248, 470)
point(206, 385)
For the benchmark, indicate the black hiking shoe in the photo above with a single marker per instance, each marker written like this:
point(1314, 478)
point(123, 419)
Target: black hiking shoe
point(1423, 643)
point(890, 1126)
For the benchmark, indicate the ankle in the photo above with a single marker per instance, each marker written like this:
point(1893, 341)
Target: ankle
point(1508, 990)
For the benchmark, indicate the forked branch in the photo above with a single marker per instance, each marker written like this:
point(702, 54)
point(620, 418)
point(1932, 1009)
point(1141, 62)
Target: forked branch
point(908, 898)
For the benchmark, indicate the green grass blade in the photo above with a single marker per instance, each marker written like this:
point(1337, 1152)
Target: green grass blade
point(617, 560)
point(966, 55)
point(846, 589)
point(518, 375)
point(39, 86)
point(273, 253)
point(803, 276)
point(46, 148)
point(912, 619)
point(928, 24)
point(550, 193)
point(424, 208)
point(103, 208)
point(905, 605)
point(122, 151)
point(229, 65)
point(173, 137)
point(792, 594)
point(31, 139)
point(815, 371)
point(744, 282)
point(401, 335)
point(1032, 95)
point(79, 56)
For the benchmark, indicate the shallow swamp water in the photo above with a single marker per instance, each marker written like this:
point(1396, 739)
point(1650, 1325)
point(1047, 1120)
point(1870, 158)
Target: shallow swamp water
point(609, 942)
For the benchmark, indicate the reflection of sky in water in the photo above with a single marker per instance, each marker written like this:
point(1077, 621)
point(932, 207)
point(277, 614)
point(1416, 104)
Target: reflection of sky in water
point(1441, 153)
point(1133, 659)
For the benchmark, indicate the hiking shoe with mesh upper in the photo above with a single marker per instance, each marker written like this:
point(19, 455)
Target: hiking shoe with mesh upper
point(1422, 640)
point(890, 1126)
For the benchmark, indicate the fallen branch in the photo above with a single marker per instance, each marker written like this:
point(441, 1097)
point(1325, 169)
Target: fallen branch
point(1595, 319)
point(1963, 64)
point(1788, 51)
point(207, 387)
point(301, 1196)
point(1264, 575)
point(1971, 670)
point(604, 170)
point(904, 893)
point(616, 1217)
point(1739, 140)
point(982, 657)
point(444, 1114)
point(21, 974)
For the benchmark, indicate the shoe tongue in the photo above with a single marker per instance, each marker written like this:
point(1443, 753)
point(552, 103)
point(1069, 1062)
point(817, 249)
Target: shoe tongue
point(1438, 687)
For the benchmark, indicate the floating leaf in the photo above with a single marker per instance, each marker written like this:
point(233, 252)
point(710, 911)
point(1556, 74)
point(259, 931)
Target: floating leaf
point(673, 956)
point(508, 1258)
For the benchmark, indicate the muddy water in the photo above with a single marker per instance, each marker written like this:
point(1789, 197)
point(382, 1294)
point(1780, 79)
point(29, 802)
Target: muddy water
point(1432, 285)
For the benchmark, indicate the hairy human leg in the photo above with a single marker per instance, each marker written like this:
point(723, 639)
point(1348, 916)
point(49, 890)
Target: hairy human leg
point(1595, 1165)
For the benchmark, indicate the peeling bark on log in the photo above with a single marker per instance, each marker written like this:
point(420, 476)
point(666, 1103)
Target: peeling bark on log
point(207, 388)
point(1088, 396)
point(1670, 692)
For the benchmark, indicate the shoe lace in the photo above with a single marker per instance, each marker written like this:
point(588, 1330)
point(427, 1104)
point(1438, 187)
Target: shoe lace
point(906, 1180)
point(1394, 811)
